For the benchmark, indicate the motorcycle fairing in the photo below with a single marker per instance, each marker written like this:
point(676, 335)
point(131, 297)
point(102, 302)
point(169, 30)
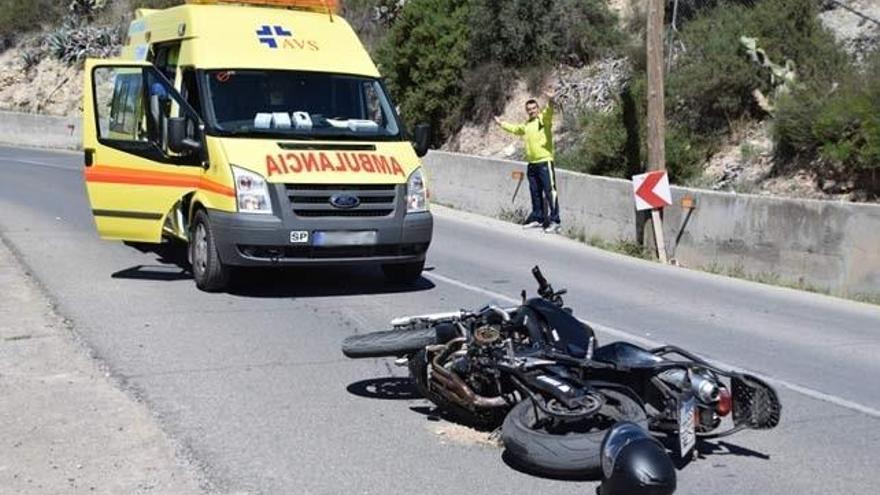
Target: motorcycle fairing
point(566, 333)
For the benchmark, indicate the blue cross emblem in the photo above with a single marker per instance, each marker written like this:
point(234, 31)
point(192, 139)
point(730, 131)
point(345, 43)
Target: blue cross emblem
point(265, 35)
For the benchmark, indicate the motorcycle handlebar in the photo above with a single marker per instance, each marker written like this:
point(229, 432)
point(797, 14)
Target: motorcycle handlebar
point(539, 277)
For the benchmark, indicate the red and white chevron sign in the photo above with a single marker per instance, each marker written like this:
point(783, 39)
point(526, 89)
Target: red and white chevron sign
point(652, 190)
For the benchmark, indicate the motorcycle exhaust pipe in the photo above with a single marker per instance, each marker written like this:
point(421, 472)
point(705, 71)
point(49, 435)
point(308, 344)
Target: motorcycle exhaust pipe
point(703, 387)
point(453, 388)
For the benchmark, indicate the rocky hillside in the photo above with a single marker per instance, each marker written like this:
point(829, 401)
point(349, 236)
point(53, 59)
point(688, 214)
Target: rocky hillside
point(40, 72)
point(743, 162)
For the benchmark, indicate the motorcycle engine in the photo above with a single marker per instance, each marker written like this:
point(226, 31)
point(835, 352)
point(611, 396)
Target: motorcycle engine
point(478, 365)
point(487, 335)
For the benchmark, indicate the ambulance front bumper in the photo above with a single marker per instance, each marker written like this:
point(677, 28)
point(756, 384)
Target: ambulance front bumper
point(266, 240)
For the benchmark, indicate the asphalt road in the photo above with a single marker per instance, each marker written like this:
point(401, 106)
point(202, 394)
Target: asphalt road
point(252, 386)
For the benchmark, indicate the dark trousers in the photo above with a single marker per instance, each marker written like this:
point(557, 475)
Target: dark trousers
point(542, 184)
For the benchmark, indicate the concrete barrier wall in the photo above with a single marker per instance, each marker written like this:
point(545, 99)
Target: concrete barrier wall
point(827, 245)
point(24, 129)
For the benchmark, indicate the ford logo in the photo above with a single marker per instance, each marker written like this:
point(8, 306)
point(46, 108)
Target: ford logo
point(344, 201)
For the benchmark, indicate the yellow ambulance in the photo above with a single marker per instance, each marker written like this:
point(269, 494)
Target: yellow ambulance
point(260, 133)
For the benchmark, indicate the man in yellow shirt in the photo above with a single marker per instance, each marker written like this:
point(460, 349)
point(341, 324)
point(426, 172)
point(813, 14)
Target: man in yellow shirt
point(537, 133)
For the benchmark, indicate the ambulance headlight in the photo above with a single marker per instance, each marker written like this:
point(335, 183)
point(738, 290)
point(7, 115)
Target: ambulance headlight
point(416, 193)
point(251, 192)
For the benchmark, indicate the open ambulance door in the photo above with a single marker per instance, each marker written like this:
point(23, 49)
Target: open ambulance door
point(144, 149)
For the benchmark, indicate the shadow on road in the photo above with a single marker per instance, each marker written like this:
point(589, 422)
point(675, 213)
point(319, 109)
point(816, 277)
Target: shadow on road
point(171, 265)
point(513, 464)
point(403, 388)
point(162, 273)
point(712, 449)
point(319, 282)
point(706, 449)
point(391, 388)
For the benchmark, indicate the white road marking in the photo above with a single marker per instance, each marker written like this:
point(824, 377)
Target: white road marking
point(38, 164)
point(809, 392)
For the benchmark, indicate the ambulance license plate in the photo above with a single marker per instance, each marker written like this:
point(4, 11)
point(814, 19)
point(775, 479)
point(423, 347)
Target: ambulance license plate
point(687, 436)
point(299, 237)
point(345, 238)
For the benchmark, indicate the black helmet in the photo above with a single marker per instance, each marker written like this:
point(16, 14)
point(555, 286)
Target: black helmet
point(635, 463)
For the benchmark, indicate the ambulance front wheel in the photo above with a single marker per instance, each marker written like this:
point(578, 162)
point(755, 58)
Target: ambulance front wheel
point(404, 273)
point(209, 272)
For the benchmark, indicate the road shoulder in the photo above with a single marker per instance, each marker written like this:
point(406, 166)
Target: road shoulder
point(64, 427)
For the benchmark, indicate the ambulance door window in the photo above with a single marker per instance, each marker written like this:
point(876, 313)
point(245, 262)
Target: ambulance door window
point(189, 89)
point(165, 59)
point(119, 91)
point(120, 119)
point(133, 111)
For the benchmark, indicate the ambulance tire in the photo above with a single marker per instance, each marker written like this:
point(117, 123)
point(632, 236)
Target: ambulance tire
point(209, 272)
point(404, 273)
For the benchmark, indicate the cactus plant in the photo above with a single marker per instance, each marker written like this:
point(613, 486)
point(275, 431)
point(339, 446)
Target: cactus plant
point(74, 44)
point(782, 76)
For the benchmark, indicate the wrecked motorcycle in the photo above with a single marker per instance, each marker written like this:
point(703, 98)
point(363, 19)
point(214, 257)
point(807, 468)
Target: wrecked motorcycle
point(539, 370)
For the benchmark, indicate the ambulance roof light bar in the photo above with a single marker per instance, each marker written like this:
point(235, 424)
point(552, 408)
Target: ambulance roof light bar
point(329, 6)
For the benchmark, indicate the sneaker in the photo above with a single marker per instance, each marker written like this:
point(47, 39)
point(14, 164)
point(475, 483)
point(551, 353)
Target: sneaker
point(532, 225)
point(553, 228)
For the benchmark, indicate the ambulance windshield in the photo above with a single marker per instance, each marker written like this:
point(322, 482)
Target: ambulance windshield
point(299, 104)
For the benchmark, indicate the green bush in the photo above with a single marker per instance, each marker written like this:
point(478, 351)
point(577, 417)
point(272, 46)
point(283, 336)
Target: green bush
point(686, 153)
point(842, 126)
point(710, 86)
point(712, 83)
point(17, 16)
point(485, 91)
point(423, 59)
point(602, 149)
point(615, 143)
point(613, 147)
point(524, 33)
point(450, 61)
point(793, 123)
point(791, 29)
point(370, 19)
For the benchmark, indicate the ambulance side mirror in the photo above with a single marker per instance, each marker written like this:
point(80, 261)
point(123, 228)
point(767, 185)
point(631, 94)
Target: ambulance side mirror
point(183, 136)
point(422, 137)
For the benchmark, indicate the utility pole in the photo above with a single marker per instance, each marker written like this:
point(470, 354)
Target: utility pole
point(656, 113)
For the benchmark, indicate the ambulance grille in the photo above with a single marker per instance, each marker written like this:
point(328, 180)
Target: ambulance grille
point(282, 253)
point(313, 200)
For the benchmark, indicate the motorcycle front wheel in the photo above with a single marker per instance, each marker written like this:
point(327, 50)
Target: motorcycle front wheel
point(388, 344)
point(537, 443)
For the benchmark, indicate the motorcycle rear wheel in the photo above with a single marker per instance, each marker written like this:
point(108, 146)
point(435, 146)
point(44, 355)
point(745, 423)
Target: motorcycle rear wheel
point(565, 450)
